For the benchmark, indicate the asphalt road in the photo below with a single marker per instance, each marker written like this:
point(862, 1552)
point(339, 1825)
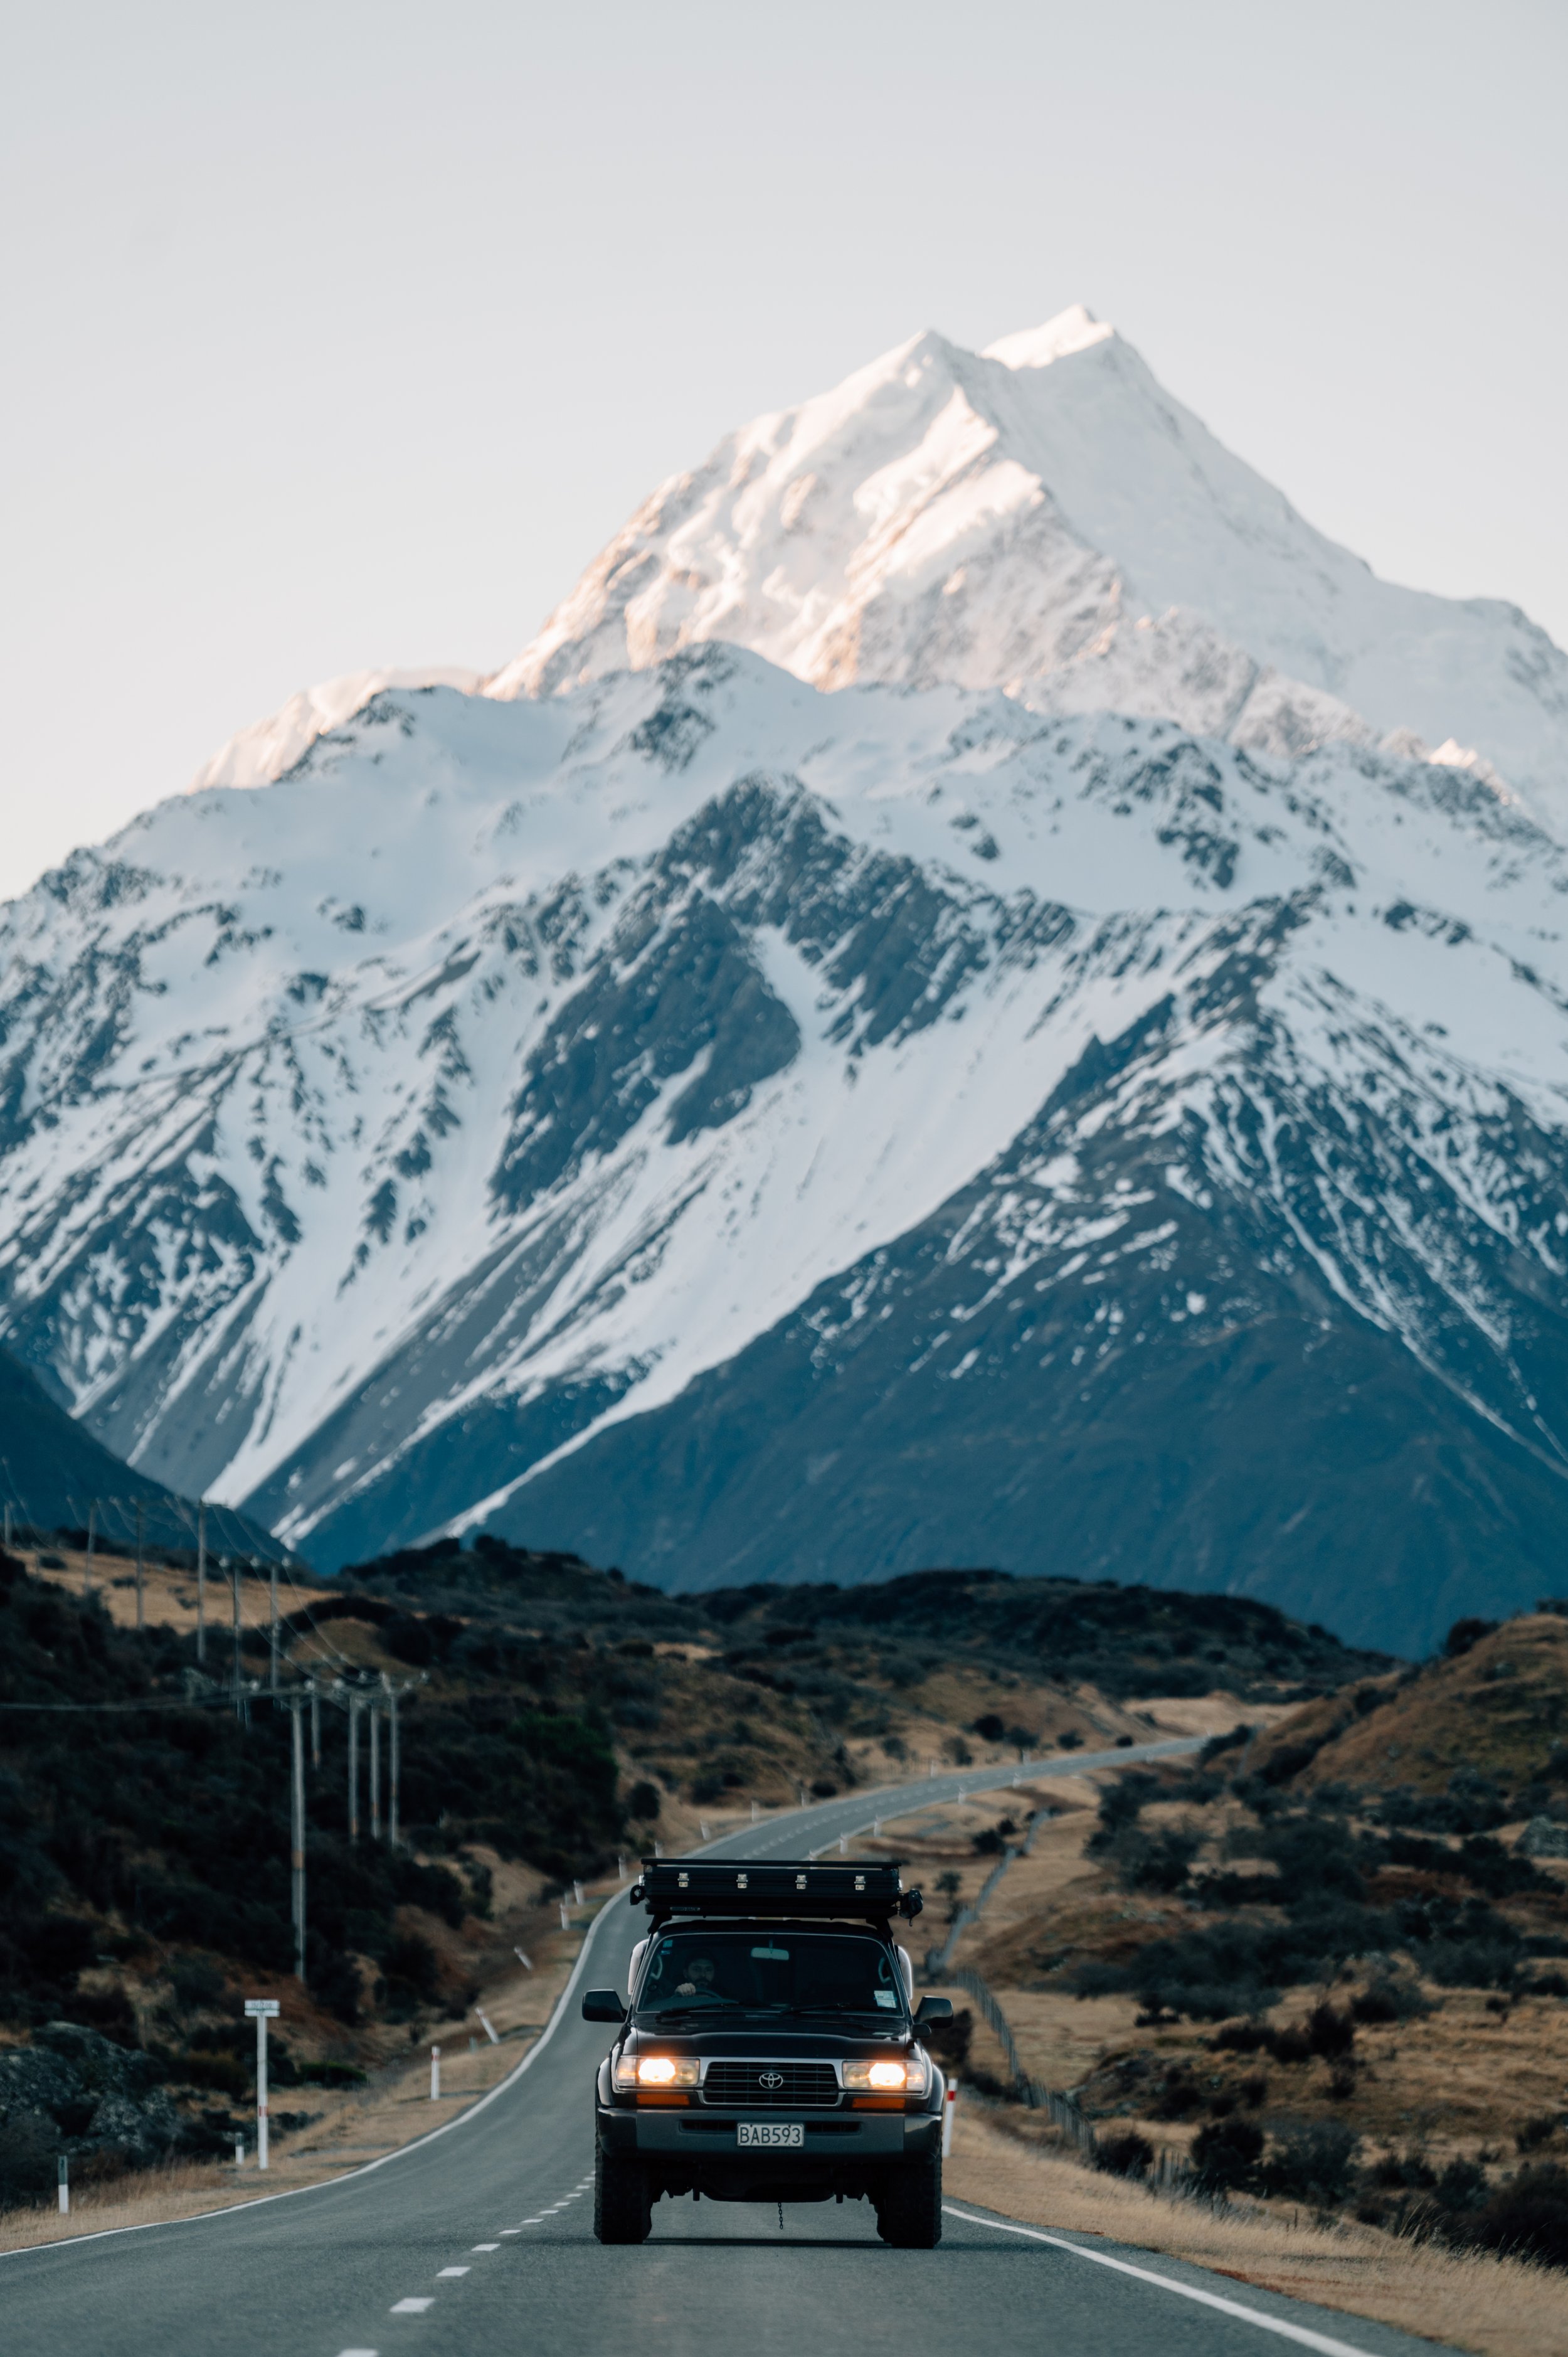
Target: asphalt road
point(479, 2241)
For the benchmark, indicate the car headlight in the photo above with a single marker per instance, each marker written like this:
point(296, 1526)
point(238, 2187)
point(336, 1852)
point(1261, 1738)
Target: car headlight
point(893, 2076)
point(657, 2071)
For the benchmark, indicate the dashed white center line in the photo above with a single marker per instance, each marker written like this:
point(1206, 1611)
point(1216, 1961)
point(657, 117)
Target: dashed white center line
point(530, 2222)
point(411, 2306)
point(484, 2246)
point(358, 2352)
point(514, 2230)
point(450, 2271)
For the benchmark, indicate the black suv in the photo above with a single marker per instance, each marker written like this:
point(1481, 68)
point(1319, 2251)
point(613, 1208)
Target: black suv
point(770, 2051)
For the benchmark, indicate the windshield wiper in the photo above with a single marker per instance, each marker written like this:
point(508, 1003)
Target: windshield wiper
point(690, 2012)
point(844, 2012)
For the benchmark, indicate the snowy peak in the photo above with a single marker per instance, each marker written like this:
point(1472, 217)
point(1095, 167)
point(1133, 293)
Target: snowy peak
point(1072, 331)
point(1043, 517)
point(1040, 517)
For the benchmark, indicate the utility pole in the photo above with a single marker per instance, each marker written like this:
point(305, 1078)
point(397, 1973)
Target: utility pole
point(375, 1772)
point(224, 1566)
point(201, 1580)
point(297, 1858)
point(392, 1809)
point(353, 1767)
point(140, 1532)
point(91, 1534)
point(315, 1725)
point(274, 1630)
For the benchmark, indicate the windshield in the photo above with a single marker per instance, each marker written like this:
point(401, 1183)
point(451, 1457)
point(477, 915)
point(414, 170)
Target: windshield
point(749, 1972)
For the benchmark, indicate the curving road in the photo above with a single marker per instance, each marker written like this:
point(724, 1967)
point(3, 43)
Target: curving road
point(477, 2241)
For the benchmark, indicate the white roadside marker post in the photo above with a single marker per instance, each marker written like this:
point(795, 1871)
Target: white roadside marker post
point(756, 1812)
point(950, 2113)
point(526, 1962)
point(577, 1893)
point(565, 1922)
point(435, 2074)
point(64, 2174)
point(239, 2152)
point(263, 2009)
point(489, 2028)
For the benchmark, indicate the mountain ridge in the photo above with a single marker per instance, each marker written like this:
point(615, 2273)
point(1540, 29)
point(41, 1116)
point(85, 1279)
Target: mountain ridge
point(697, 1014)
point(1060, 526)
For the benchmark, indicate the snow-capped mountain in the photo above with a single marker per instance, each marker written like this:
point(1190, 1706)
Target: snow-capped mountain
point(1041, 517)
point(1044, 517)
point(759, 1132)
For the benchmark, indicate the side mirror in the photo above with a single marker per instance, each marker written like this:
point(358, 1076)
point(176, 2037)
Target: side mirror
point(932, 2009)
point(605, 2005)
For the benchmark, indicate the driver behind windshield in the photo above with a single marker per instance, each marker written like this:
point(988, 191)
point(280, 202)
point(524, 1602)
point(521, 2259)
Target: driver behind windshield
point(747, 1972)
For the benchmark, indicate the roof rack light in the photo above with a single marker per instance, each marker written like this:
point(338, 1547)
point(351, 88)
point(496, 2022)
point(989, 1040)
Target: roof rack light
point(870, 1890)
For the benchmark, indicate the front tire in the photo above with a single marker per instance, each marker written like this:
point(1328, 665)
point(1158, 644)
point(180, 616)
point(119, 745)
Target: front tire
point(909, 2207)
point(623, 2206)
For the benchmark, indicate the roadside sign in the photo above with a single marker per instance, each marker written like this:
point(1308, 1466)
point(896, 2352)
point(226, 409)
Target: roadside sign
point(261, 2004)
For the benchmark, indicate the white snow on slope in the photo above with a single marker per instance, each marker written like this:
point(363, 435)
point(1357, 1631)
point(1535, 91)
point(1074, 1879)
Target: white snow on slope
point(256, 755)
point(318, 1001)
point(1045, 518)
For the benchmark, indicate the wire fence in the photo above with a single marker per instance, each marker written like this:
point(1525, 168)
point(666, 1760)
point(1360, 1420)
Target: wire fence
point(1060, 2109)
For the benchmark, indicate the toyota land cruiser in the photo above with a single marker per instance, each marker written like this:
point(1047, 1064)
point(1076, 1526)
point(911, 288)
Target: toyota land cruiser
point(770, 2051)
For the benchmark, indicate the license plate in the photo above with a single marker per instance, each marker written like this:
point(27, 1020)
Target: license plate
point(772, 2133)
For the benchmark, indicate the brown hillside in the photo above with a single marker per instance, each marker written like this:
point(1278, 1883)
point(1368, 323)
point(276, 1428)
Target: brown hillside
point(1501, 1708)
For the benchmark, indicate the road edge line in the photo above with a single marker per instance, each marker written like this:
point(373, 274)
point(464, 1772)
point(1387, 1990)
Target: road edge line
point(1322, 2341)
point(291, 2192)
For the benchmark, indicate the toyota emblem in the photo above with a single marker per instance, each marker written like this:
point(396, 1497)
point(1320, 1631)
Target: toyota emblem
point(770, 2079)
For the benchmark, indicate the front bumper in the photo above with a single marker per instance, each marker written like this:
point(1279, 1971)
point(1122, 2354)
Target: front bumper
point(704, 2141)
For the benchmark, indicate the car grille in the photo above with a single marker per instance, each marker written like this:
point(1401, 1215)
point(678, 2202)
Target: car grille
point(745, 2085)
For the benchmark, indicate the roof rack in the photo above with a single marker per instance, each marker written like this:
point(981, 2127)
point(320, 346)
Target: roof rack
point(870, 1891)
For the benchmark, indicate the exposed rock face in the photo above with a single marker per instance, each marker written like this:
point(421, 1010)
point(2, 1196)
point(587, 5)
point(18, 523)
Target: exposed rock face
point(1543, 1838)
point(76, 2093)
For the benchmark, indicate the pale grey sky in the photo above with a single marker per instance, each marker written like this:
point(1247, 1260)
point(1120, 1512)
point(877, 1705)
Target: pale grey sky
point(344, 334)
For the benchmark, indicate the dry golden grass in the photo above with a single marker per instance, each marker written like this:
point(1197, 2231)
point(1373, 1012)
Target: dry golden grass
point(168, 1598)
point(1499, 1708)
point(1501, 2307)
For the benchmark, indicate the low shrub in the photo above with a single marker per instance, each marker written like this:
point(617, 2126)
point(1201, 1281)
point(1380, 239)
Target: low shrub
point(1226, 2156)
point(1312, 2160)
point(1528, 2216)
point(1127, 2155)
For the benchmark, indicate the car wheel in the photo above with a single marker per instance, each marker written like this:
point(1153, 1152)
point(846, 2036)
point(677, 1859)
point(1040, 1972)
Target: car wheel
point(909, 2207)
point(623, 2207)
